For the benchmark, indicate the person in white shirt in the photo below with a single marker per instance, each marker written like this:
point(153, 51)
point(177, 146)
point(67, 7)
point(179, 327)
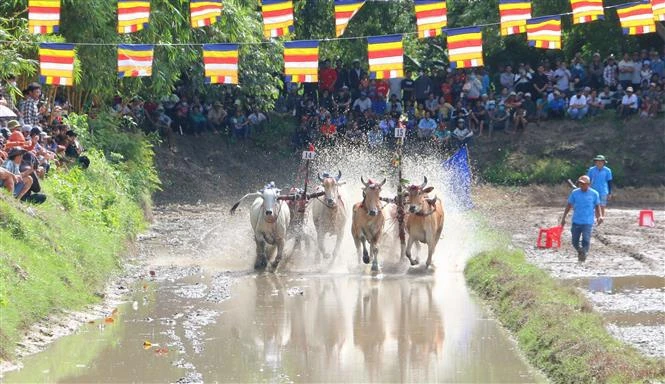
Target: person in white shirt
point(578, 107)
point(626, 71)
point(462, 133)
point(562, 76)
point(362, 103)
point(628, 103)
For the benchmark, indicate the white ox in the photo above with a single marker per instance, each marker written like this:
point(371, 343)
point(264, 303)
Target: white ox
point(270, 218)
point(329, 212)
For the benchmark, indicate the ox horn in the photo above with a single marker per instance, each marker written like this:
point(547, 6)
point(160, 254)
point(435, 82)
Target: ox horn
point(320, 178)
point(422, 186)
point(339, 175)
point(363, 181)
point(383, 182)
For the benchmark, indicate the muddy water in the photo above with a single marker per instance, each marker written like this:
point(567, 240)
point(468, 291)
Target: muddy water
point(208, 317)
point(282, 328)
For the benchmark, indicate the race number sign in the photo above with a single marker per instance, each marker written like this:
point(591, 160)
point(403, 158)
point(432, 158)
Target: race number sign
point(308, 155)
point(400, 133)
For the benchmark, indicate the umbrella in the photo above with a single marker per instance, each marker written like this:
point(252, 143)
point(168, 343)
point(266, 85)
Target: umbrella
point(6, 112)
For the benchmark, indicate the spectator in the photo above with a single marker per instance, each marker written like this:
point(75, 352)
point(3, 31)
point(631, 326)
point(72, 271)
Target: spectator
point(426, 126)
point(462, 134)
point(556, 105)
point(629, 104)
point(387, 125)
point(637, 71)
point(577, 107)
point(562, 76)
point(328, 132)
point(394, 106)
point(22, 179)
point(375, 137)
point(257, 119)
point(342, 75)
point(328, 77)
point(595, 103)
point(596, 70)
point(363, 103)
point(478, 117)
point(445, 109)
point(30, 108)
point(197, 120)
point(356, 74)
point(443, 135)
point(499, 119)
point(605, 98)
point(422, 87)
point(407, 87)
point(432, 104)
point(611, 73)
point(626, 69)
point(239, 125)
point(645, 75)
point(657, 64)
point(530, 108)
point(216, 117)
point(396, 87)
point(523, 79)
point(507, 78)
point(343, 99)
point(472, 88)
point(354, 135)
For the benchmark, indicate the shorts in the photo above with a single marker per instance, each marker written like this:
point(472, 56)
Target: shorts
point(603, 200)
point(18, 187)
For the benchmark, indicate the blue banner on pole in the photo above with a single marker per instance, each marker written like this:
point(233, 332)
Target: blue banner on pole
point(459, 177)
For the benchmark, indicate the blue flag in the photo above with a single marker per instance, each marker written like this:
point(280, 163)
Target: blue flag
point(459, 178)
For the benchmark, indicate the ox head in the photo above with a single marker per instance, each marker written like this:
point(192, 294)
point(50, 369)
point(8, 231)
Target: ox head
point(270, 195)
point(417, 196)
point(330, 187)
point(372, 192)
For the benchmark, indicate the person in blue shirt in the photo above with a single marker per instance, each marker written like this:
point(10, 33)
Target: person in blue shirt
point(601, 181)
point(585, 203)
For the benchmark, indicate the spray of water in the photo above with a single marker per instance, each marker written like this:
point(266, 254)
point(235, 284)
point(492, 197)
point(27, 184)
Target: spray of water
point(235, 245)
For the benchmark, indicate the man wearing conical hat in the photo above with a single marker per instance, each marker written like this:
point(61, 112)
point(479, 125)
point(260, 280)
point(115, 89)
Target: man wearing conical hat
point(601, 181)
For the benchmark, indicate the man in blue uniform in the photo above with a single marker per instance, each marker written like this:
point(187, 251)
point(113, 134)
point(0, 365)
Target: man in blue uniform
point(601, 181)
point(585, 202)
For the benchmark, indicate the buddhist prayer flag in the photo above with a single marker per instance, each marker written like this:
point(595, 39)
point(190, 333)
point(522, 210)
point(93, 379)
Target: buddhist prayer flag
point(277, 17)
point(658, 8)
point(301, 61)
point(43, 16)
point(386, 57)
point(133, 15)
point(544, 32)
point(513, 15)
point(344, 11)
point(465, 47)
point(220, 62)
point(586, 11)
point(636, 18)
point(134, 60)
point(431, 17)
point(204, 12)
point(56, 63)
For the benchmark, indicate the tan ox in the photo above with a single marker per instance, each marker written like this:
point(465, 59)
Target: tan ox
point(329, 212)
point(424, 222)
point(367, 222)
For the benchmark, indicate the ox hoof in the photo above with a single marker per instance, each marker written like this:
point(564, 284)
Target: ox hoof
point(366, 258)
point(260, 265)
point(375, 267)
point(414, 262)
point(430, 267)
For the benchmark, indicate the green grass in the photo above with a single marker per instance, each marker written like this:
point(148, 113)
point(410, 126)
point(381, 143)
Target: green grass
point(60, 255)
point(555, 325)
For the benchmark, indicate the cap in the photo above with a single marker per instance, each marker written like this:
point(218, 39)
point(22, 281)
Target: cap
point(600, 158)
point(584, 179)
point(527, 94)
point(26, 128)
point(629, 89)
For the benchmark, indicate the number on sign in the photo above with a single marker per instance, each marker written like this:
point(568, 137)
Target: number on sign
point(308, 155)
point(400, 133)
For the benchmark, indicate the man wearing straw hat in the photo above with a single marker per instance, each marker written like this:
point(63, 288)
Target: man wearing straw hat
point(585, 202)
point(601, 181)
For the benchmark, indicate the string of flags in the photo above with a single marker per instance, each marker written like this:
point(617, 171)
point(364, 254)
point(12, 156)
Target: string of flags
point(385, 53)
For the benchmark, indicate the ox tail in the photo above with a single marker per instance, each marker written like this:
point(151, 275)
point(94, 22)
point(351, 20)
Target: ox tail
point(235, 206)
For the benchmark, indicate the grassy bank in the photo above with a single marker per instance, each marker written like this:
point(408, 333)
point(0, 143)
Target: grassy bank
point(60, 255)
point(555, 325)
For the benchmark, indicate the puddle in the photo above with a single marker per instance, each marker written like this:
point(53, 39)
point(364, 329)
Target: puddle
point(624, 319)
point(290, 328)
point(617, 284)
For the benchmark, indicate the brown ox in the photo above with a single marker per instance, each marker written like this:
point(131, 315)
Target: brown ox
point(424, 221)
point(329, 212)
point(367, 222)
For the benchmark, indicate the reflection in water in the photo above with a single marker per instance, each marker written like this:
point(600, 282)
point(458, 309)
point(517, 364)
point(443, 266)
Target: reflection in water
point(317, 329)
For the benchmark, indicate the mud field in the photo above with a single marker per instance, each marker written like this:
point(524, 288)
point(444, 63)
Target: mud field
point(624, 275)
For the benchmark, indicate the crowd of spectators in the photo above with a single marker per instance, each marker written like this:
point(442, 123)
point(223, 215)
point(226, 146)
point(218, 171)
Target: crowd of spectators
point(446, 108)
point(32, 139)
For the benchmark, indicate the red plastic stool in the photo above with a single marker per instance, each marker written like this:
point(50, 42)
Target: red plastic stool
point(550, 237)
point(646, 219)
